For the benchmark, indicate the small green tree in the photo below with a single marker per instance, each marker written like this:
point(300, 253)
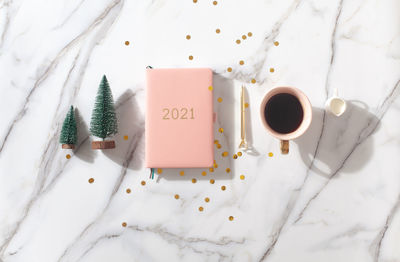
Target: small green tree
point(104, 120)
point(69, 131)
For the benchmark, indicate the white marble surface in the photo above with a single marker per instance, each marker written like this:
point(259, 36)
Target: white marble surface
point(335, 197)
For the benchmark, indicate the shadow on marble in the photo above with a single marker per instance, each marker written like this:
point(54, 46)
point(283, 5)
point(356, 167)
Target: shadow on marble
point(83, 150)
point(128, 152)
point(223, 87)
point(249, 133)
point(340, 137)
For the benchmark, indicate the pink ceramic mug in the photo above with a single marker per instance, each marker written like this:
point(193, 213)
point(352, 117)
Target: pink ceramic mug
point(304, 122)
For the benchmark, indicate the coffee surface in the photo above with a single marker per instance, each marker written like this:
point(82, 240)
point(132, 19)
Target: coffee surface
point(283, 113)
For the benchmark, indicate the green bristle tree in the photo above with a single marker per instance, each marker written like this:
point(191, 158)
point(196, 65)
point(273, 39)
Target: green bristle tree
point(69, 133)
point(104, 120)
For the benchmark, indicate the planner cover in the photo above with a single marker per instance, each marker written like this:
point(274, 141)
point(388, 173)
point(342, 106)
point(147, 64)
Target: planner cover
point(179, 118)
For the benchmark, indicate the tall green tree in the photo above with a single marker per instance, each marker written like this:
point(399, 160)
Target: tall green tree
point(69, 133)
point(104, 120)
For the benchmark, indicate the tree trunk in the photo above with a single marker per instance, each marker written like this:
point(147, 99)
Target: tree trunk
point(106, 144)
point(68, 146)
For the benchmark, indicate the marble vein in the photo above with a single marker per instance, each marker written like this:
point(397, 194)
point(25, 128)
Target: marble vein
point(269, 40)
point(288, 210)
point(366, 132)
point(377, 243)
point(94, 243)
point(175, 239)
point(139, 133)
point(293, 200)
point(70, 15)
point(44, 191)
point(42, 78)
point(5, 5)
point(130, 154)
point(278, 229)
point(260, 56)
point(333, 49)
point(52, 145)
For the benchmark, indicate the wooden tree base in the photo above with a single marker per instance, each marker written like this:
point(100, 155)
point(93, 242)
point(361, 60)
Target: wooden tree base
point(67, 146)
point(285, 147)
point(107, 144)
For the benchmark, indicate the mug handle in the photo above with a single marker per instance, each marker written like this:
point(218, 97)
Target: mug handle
point(284, 147)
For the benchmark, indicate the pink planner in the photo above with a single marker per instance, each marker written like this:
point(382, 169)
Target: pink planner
point(179, 118)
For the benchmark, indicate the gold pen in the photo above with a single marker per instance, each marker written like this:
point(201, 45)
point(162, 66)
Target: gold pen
point(243, 142)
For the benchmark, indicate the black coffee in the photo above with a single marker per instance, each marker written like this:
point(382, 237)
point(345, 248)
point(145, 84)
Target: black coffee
point(283, 113)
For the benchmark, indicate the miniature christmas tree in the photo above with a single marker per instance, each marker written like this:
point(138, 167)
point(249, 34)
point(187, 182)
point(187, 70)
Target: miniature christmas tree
point(69, 132)
point(104, 120)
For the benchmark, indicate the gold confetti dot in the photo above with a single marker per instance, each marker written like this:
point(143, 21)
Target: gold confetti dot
point(215, 161)
point(207, 199)
point(204, 173)
point(126, 42)
point(216, 141)
point(244, 37)
point(210, 88)
point(212, 181)
point(128, 190)
point(223, 188)
point(124, 224)
point(219, 99)
point(176, 196)
point(194, 1)
point(201, 209)
point(224, 154)
point(250, 34)
point(211, 169)
point(270, 154)
point(91, 180)
point(215, 165)
point(125, 137)
point(159, 171)
point(231, 218)
point(215, 3)
point(188, 37)
point(229, 69)
point(234, 156)
point(242, 177)
point(217, 31)
point(190, 57)
point(276, 43)
point(143, 183)
point(194, 180)
point(228, 170)
point(241, 62)
point(68, 156)
point(221, 130)
point(182, 173)
point(272, 70)
point(239, 153)
point(238, 41)
point(246, 105)
point(253, 81)
point(219, 146)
